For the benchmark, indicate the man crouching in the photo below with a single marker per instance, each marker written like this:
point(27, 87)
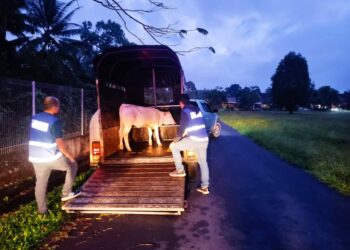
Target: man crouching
point(191, 135)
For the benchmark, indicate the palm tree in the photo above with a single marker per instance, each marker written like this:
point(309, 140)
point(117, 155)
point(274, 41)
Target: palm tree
point(12, 20)
point(50, 53)
point(50, 21)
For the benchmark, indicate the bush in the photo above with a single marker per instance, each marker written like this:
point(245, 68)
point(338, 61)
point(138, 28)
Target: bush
point(26, 228)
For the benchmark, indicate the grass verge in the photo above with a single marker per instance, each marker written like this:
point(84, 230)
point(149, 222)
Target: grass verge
point(25, 228)
point(316, 141)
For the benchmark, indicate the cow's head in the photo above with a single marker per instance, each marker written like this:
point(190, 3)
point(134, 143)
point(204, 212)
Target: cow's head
point(168, 119)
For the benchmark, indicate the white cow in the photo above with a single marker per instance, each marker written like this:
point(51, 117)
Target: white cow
point(132, 115)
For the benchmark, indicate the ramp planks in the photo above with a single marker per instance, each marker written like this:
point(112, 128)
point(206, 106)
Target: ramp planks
point(131, 189)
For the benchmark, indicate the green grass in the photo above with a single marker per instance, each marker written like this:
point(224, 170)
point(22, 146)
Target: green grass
point(316, 141)
point(25, 228)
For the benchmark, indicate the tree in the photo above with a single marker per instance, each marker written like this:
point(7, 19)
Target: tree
point(327, 96)
point(12, 20)
point(11, 17)
point(50, 22)
point(346, 99)
point(156, 33)
point(256, 90)
point(233, 90)
point(291, 85)
point(50, 52)
point(267, 97)
point(216, 97)
point(190, 88)
point(268, 91)
point(96, 39)
point(105, 35)
point(248, 96)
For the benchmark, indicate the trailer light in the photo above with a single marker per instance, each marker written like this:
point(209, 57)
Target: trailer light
point(190, 155)
point(96, 150)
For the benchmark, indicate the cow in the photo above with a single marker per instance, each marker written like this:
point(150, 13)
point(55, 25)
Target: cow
point(132, 115)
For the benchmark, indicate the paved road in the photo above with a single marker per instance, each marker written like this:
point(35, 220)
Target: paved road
point(257, 201)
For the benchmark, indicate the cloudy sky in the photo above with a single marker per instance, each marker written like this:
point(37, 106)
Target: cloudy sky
point(250, 37)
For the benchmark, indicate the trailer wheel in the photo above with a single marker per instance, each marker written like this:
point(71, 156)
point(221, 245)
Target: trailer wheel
point(216, 130)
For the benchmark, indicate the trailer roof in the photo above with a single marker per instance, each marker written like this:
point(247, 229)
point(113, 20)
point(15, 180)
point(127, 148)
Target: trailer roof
point(114, 60)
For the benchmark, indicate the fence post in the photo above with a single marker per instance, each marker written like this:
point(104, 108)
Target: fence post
point(33, 98)
point(82, 110)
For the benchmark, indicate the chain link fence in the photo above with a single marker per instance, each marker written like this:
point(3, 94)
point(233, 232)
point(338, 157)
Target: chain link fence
point(19, 100)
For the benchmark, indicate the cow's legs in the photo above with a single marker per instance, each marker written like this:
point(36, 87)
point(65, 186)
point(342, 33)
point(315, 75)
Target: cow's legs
point(126, 138)
point(149, 136)
point(121, 146)
point(156, 131)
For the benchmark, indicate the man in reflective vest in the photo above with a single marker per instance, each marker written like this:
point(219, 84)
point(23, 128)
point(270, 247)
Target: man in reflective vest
point(192, 135)
point(47, 152)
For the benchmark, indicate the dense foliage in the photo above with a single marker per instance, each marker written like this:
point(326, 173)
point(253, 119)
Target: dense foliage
point(46, 46)
point(291, 84)
point(39, 42)
point(25, 228)
point(290, 90)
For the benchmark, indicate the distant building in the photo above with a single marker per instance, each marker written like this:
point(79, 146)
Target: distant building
point(257, 105)
point(231, 103)
point(344, 100)
point(266, 101)
point(263, 102)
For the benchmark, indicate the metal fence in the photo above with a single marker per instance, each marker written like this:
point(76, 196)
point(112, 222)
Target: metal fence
point(19, 100)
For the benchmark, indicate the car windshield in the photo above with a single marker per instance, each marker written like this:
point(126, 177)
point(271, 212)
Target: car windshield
point(194, 104)
point(206, 107)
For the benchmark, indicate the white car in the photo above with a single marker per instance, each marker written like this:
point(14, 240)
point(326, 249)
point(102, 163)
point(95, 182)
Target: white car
point(210, 117)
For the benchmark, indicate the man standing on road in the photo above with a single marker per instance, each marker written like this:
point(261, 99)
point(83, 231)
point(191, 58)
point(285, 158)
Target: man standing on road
point(191, 135)
point(47, 152)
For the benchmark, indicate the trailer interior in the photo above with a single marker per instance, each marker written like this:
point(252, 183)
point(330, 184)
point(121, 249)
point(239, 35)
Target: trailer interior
point(137, 181)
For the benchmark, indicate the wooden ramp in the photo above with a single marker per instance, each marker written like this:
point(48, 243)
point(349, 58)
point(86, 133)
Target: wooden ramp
point(131, 189)
point(142, 153)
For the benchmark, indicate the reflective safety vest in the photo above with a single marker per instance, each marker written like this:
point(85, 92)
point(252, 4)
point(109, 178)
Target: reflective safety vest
point(196, 127)
point(42, 144)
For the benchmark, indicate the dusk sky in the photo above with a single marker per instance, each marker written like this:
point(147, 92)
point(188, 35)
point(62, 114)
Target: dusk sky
point(250, 38)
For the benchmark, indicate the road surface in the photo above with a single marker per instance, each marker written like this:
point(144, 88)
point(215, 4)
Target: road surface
point(257, 201)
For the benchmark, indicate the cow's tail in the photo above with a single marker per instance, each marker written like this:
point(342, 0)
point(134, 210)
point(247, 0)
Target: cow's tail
point(121, 127)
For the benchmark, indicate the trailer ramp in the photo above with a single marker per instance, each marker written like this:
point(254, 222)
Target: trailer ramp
point(131, 189)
